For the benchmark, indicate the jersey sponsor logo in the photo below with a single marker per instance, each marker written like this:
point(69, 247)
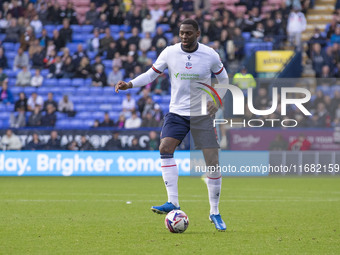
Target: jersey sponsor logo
point(176, 74)
point(188, 65)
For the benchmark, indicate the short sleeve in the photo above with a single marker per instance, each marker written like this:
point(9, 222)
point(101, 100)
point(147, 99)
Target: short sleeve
point(161, 63)
point(216, 65)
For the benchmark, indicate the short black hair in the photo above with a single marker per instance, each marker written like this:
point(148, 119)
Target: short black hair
point(191, 22)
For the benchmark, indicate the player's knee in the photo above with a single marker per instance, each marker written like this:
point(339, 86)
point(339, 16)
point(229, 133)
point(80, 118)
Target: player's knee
point(163, 149)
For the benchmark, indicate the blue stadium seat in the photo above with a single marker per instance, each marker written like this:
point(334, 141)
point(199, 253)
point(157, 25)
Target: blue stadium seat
point(169, 37)
point(30, 90)
point(83, 90)
point(17, 89)
point(5, 115)
point(107, 63)
point(44, 72)
point(43, 90)
point(77, 82)
point(50, 82)
point(80, 107)
point(157, 99)
point(83, 115)
point(8, 46)
point(335, 88)
point(70, 90)
point(76, 123)
point(114, 115)
point(165, 27)
point(63, 123)
point(114, 29)
point(76, 29)
point(325, 89)
point(2, 107)
point(79, 38)
point(11, 82)
point(9, 108)
point(100, 99)
point(246, 36)
point(125, 28)
point(128, 35)
point(10, 54)
point(65, 82)
point(98, 115)
point(16, 46)
point(166, 99)
point(2, 37)
point(88, 82)
point(88, 122)
point(91, 55)
point(96, 91)
point(165, 108)
point(152, 55)
point(251, 47)
point(92, 107)
point(11, 73)
point(117, 107)
point(105, 107)
point(86, 29)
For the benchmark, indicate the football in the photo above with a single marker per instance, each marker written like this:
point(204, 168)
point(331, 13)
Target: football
point(176, 221)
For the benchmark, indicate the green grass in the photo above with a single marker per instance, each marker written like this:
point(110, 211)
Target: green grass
point(89, 215)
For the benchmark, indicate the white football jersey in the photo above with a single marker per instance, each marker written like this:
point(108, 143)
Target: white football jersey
point(186, 70)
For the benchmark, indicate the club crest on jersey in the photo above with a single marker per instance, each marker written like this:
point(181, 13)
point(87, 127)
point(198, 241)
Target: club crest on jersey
point(188, 65)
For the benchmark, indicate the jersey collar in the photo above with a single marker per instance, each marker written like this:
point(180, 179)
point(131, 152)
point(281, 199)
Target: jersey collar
point(191, 51)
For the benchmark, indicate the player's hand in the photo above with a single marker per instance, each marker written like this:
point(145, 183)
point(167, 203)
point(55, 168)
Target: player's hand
point(122, 85)
point(212, 108)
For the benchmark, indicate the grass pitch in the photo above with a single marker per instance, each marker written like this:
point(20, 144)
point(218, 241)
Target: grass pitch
point(89, 215)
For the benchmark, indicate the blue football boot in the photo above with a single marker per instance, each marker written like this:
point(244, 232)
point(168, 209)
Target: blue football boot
point(217, 220)
point(164, 209)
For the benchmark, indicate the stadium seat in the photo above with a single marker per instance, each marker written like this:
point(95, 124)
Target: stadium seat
point(246, 36)
point(86, 29)
point(96, 91)
point(325, 89)
point(17, 89)
point(76, 29)
point(5, 115)
point(114, 115)
point(169, 37)
point(88, 122)
point(105, 107)
point(44, 72)
point(8, 46)
point(62, 124)
point(98, 115)
point(83, 90)
point(165, 27)
point(64, 82)
point(157, 98)
point(125, 28)
point(50, 82)
point(69, 90)
point(11, 82)
point(152, 55)
point(251, 47)
point(114, 29)
point(84, 115)
point(10, 55)
point(107, 63)
point(43, 90)
point(166, 99)
point(80, 107)
point(79, 38)
point(77, 82)
point(11, 73)
point(88, 82)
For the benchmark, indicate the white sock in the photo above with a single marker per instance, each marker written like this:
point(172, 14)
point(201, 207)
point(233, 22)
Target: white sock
point(214, 191)
point(170, 177)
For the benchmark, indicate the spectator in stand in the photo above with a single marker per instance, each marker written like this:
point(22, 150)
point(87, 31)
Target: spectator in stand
point(123, 47)
point(334, 103)
point(84, 68)
point(38, 58)
point(278, 144)
point(101, 24)
point(21, 102)
point(43, 13)
point(97, 62)
point(135, 20)
point(68, 68)
point(6, 96)
point(72, 146)
point(10, 141)
point(154, 142)
point(54, 142)
point(33, 48)
point(66, 54)
point(50, 100)
point(133, 122)
point(23, 77)
point(133, 51)
point(300, 144)
point(261, 101)
point(117, 61)
point(135, 145)
point(111, 51)
point(148, 120)
point(85, 145)
point(148, 24)
point(174, 23)
point(145, 43)
point(34, 120)
point(27, 38)
point(99, 78)
point(20, 60)
point(116, 17)
point(144, 10)
point(3, 76)
point(114, 76)
point(93, 44)
point(36, 24)
point(318, 59)
point(16, 10)
point(66, 31)
point(50, 118)
point(12, 32)
point(69, 13)
point(149, 106)
point(135, 38)
point(258, 33)
point(142, 101)
point(79, 54)
point(128, 105)
point(18, 119)
point(321, 117)
point(35, 144)
point(244, 80)
point(158, 115)
point(335, 38)
point(107, 122)
point(43, 40)
point(92, 14)
point(296, 25)
point(3, 59)
point(160, 85)
point(159, 36)
point(129, 66)
point(157, 13)
point(104, 43)
point(120, 122)
point(57, 40)
point(114, 144)
point(37, 80)
point(50, 58)
point(66, 106)
point(54, 13)
point(34, 100)
point(56, 69)
point(5, 21)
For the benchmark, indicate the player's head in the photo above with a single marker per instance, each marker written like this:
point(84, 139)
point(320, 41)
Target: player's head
point(189, 32)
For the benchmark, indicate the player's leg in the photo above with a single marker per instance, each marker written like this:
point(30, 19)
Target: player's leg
point(174, 130)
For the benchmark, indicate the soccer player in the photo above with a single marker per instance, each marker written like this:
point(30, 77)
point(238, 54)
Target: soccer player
point(188, 63)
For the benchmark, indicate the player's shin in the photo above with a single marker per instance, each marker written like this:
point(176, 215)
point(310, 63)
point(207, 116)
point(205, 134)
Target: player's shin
point(214, 183)
point(170, 177)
